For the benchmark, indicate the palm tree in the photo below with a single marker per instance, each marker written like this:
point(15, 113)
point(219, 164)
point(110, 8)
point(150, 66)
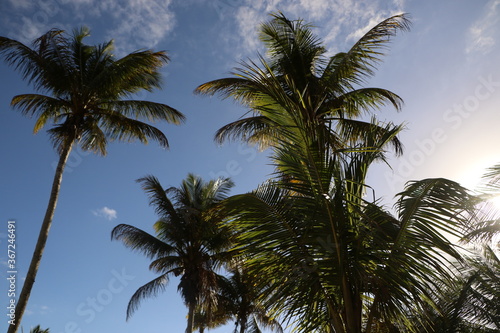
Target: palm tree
point(238, 299)
point(327, 255)
point(242, 301)
point(337, 262)
point(299, 86)
point(84, 94)
point(190, 240)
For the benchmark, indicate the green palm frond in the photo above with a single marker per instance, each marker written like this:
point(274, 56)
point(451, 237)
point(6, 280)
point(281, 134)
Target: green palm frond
point(92, 138)
point(291, 46)
point(157, 197)
point(38, 329)
point(352, 68)
point(146, 110)
point(136, 71)
point(141, 241)
point(150, 289)
point(299, 94)
point(356, 102)
point(31, 63)
point(45, 107)
point(118, 127)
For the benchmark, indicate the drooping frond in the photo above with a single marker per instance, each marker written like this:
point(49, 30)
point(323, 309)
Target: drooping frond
point(31, 63)
point(46, 108)
point(145, 110)
point(150, 289)
point(139, 240)
point(118, 127)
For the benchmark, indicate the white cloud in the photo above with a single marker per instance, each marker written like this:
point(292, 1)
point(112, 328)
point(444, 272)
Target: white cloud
point(335, 19)
point(134, 24)
point(480, 36)
point(107, 213)
point(38, 309)
point(144, 23)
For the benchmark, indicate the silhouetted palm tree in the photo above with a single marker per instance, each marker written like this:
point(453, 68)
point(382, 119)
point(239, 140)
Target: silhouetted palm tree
point(84, 95)
point(190, 240)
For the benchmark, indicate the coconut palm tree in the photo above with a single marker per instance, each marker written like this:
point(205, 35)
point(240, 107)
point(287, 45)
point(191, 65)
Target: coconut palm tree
point(237, 299)
point(242, 301)
point(297, 85)
point(328, 255)
point(84, 93)
point(337, 264)
point(190, 240)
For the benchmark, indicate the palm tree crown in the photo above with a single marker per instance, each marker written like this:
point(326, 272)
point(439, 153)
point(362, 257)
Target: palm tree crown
point(325, 255)
point(189, 242)
point(87, 90)
point(298, 86)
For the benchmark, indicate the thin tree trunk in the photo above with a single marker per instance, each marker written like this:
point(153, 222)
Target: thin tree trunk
point(243, 325)
point(190, 319)
point(42, 240)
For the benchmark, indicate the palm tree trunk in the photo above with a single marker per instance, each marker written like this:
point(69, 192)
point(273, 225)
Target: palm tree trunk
point(243, 325)
point(190, 319)
point(42, 239)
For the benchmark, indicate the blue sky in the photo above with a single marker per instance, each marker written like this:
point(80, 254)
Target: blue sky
point(446, 69)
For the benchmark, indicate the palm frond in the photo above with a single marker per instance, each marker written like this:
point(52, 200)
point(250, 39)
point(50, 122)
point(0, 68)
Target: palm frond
point(31, 63)
point(139, 240)
point(157, 196)
point(352, 68)
point(146, 110)
point(150, 289)
point(130, 74)
point(118, 127)
point(45, 107)
point(92, 138)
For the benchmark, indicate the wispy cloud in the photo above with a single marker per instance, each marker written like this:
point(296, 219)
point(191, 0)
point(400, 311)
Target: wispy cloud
point(38, 309)
point(481, 35)
point(337, 19)
point(142, 23)
point(21, 3)
point(133, 24)
point(106, 212)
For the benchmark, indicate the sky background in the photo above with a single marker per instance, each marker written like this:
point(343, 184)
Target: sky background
point(447, 70)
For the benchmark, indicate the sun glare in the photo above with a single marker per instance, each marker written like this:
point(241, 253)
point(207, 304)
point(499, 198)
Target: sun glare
point(495, 201)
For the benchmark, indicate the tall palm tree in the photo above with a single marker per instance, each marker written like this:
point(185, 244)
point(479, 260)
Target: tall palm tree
point(85, 95)
point(190, 240)
point(328, 255)
point(297, 85)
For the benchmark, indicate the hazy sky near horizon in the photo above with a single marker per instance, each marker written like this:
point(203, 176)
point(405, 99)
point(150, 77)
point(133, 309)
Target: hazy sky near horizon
point(446, 69)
